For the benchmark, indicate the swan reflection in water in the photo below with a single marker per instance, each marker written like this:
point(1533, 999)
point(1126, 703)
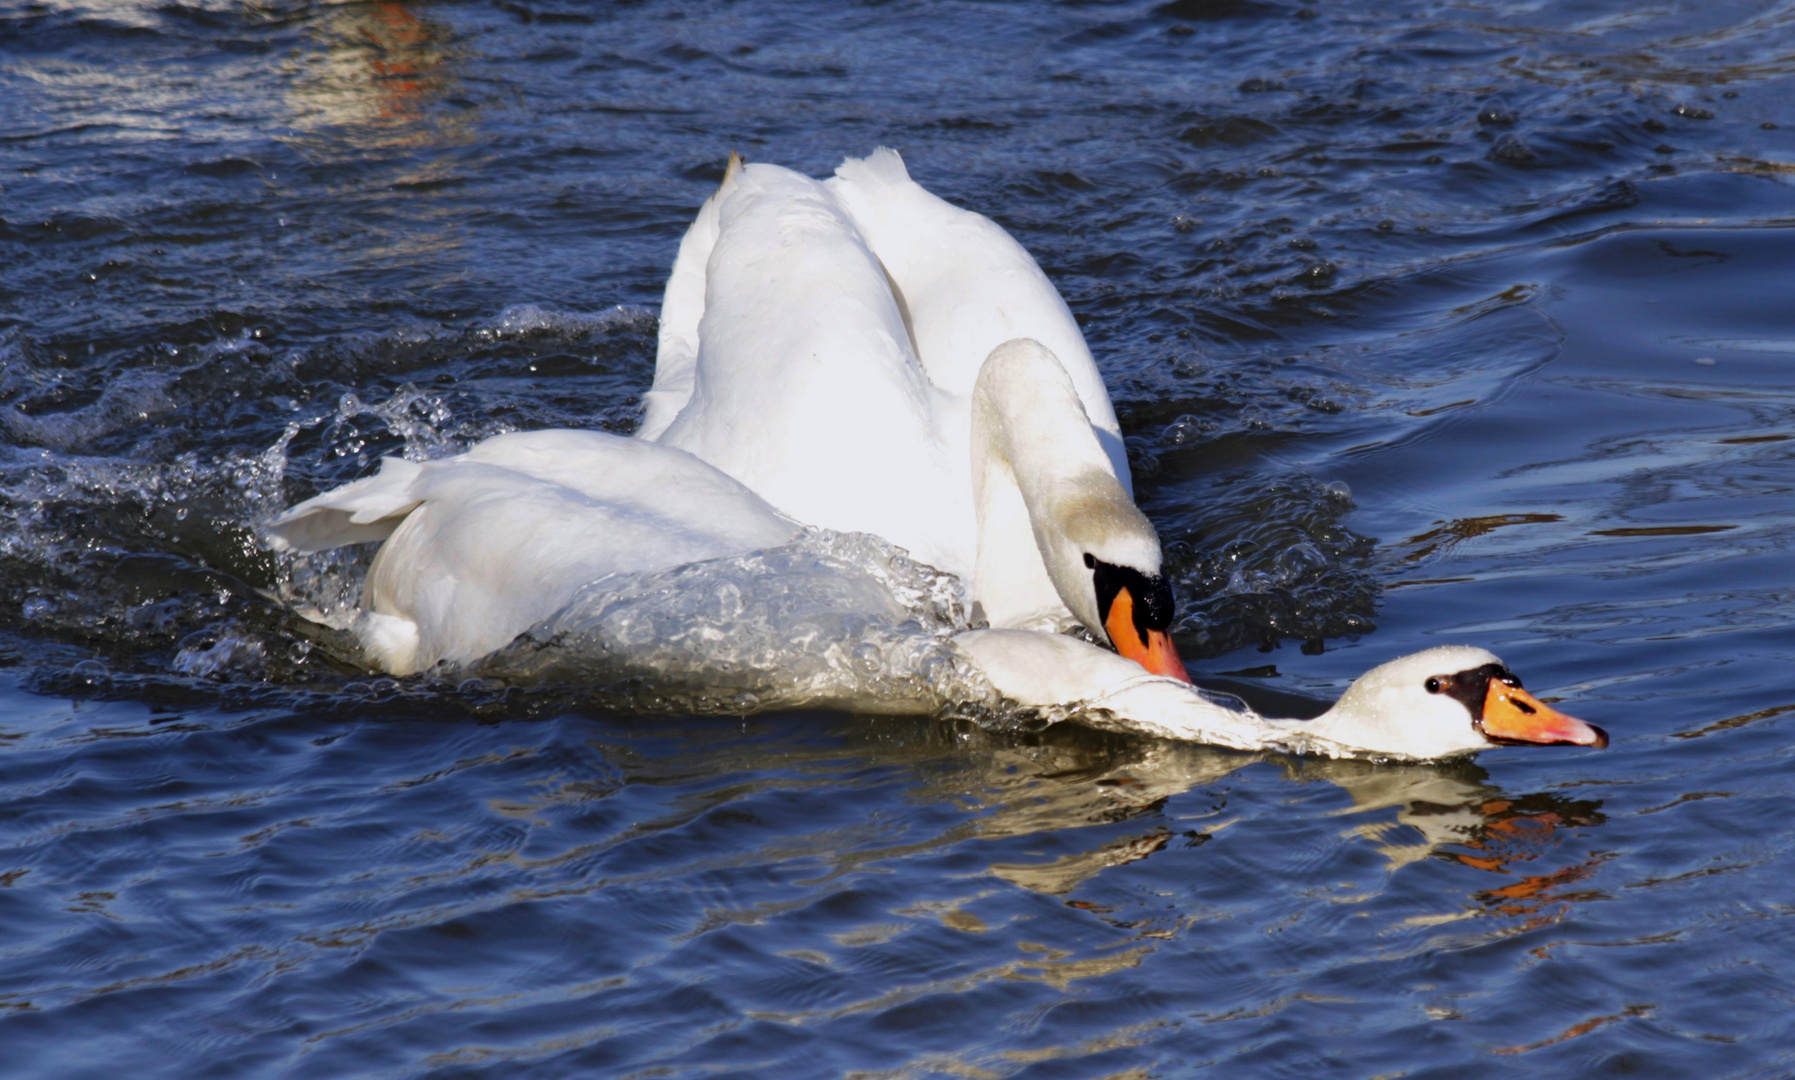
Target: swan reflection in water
point(1066, 778)
point(1113, 799)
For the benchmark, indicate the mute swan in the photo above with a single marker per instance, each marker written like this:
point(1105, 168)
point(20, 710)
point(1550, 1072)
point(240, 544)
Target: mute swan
point(846, 348)
point(1443, 702)
point(819, 365)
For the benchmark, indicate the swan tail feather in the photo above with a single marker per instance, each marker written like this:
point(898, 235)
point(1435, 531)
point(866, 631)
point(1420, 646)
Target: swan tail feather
point(883, 168)
point(356, 513)
point(391, 642)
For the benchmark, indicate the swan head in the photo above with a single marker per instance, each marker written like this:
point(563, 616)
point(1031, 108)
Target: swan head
point(1444, 702)
point(1104, 558)
point(1133, 609)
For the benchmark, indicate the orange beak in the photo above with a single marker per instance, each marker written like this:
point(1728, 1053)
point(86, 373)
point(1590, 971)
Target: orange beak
point(1511, 714)
point(1155, 653)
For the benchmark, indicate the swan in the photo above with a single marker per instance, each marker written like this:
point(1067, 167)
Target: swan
point(869, 358)
point(479, 547)
point(820, 365)
point(1444, 702)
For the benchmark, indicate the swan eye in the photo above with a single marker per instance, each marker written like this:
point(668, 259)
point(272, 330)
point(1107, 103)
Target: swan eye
point(1090, 561)
point(1433, 685)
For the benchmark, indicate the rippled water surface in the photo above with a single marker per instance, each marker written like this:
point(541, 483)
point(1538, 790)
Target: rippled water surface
point(1427, 321)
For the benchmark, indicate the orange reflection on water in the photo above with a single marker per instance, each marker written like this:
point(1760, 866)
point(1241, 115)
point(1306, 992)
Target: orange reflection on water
point(405, 61)
point(1513, 834)
point(380, 67)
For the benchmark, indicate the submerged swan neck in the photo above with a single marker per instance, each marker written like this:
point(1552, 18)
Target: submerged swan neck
point(1042, 482)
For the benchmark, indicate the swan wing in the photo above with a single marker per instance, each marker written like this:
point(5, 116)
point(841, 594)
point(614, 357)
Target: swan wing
point(805, 386)
point(682, 308)
point(966, 286)
point(358, 513)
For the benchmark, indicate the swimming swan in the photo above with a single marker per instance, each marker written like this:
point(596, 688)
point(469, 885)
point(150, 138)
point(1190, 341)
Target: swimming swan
point(819, 365)
point(869, 358)
point(1448, 701)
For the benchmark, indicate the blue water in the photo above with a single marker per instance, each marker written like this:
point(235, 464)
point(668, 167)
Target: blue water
point(1427, 322)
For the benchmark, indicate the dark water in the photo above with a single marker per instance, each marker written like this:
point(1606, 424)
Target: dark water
point(1428, 322)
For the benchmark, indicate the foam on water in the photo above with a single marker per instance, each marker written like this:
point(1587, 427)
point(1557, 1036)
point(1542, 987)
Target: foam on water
point(829, 620)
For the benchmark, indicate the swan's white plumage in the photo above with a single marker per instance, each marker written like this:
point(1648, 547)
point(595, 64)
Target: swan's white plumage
point(1059, 673)
point(359, 512)
point(486, 544)
point(804, 387)
point(966, 287)
point(843, 328)
point(860, 355)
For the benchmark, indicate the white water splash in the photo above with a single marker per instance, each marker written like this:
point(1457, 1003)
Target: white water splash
point(828, 620)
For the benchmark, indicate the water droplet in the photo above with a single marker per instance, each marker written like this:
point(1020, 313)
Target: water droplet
point(1496, 113)
point(1184, 430)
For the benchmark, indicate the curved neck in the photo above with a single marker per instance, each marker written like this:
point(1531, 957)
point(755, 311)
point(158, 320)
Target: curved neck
point(1045, 494)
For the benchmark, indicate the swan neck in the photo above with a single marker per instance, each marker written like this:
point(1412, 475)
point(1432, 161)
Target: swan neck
point(1042, 482)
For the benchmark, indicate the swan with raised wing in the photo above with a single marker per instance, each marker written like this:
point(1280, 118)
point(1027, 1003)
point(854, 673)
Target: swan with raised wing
point(869, 358)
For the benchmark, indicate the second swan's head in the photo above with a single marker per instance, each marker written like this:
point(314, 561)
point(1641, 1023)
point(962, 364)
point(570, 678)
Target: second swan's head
point(1134, 610)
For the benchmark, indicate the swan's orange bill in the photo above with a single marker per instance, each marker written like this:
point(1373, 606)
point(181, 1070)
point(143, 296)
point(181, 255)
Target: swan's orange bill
point(1156, 653)
point(1511, 714)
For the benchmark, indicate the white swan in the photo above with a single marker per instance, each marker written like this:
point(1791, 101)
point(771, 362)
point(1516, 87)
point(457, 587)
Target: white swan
point(819, 364)
point(869, 358)
point(1443, 702)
